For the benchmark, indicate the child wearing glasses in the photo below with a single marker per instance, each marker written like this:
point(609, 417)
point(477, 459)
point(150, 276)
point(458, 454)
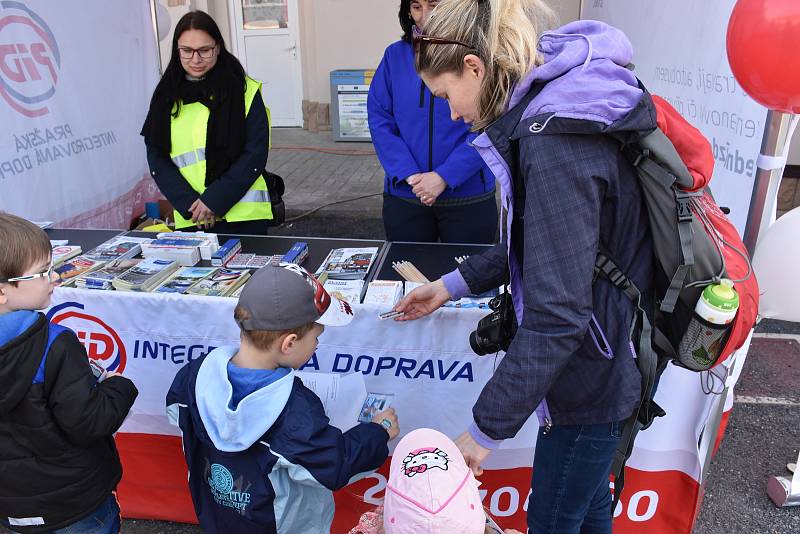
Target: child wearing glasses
point(59, 467)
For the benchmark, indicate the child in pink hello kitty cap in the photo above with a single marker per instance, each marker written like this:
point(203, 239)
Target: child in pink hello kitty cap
point(430, 491)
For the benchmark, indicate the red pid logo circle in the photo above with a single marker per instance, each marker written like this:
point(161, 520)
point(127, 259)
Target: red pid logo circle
point(29, 59)
point(102, 343)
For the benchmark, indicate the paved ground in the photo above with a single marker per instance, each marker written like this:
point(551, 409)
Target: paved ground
point(764, 430)
point(319, 172)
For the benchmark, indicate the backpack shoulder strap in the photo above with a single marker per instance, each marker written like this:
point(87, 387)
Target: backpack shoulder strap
point(53, 331)
point(646, 360)
point(655, 159)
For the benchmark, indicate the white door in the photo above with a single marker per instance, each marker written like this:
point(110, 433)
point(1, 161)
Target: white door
point(265, 33)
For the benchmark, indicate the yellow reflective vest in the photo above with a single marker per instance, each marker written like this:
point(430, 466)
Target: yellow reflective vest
point(188, 153)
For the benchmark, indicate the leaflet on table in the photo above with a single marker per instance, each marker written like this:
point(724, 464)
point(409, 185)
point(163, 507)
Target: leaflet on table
point(348, 263)
point(63, 253)
point(184, 279)
point(342, 395)
point(220, 284)
point(347, 290)
point(69, 270)
point(146, 275)
point(103, 277)
point(118, 248)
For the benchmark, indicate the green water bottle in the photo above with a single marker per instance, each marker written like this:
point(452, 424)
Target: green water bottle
point(709, 327)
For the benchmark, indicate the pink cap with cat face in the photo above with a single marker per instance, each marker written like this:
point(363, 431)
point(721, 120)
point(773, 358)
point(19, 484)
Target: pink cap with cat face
point(431, 490)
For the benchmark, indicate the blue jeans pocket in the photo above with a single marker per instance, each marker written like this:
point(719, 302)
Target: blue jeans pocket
point(104, 520)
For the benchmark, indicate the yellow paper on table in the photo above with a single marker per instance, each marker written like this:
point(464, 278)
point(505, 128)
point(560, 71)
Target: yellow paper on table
point(161, 227)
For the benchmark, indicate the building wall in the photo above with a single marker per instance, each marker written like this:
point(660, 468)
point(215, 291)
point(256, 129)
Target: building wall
point(352, 34)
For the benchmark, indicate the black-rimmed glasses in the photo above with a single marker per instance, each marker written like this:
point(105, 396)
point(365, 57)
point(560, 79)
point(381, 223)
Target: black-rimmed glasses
point(206, 52)
point(419, 37)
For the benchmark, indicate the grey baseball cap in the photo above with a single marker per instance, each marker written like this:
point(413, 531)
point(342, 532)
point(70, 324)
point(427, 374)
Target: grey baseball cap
point(285, 296)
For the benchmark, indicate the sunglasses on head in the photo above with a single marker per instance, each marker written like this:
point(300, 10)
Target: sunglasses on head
point(419, 37)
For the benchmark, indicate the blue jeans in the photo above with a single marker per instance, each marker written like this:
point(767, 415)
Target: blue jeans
point(570, 486)
point(104, 520)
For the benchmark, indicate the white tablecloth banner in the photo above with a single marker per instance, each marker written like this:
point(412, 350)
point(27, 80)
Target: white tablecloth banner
point(428, 366)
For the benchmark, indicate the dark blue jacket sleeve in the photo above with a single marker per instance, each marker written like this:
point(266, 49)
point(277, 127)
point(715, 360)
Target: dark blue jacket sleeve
point(564, 194)
point(487, 270)
point(226, 190)
point(393, 152)
point(171, 182)
point(331, 456)
point(462, 163)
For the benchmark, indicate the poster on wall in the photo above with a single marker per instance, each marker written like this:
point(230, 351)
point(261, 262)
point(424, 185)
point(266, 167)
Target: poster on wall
point(75, 84)
point(679, 53)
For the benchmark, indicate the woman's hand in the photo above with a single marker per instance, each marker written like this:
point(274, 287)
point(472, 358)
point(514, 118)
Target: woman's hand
point(422, 301)
point(473, 453)
point(427, 186)
point(202, 217)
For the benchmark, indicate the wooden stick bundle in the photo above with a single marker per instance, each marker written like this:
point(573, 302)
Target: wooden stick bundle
point(409, 271)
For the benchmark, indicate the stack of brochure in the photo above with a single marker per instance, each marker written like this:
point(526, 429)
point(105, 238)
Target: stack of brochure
point(347, 290)
point(146, 275)
point(209, 245)
point(118, 248)
point(222, 283)
point(184, 279)
point(63, 253)
point(103, 278)
point(69, 270)
point(183, 250)
point(348, 263)
point(249, 261)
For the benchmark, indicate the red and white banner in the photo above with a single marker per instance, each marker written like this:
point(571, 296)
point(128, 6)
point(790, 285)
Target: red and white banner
point(75, 84)
point(427, 365)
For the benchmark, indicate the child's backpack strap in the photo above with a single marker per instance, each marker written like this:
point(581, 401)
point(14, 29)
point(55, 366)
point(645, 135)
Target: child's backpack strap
point(53, 331)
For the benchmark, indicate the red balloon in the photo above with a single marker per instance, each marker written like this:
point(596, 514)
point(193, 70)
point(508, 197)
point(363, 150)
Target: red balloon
point(763, 46)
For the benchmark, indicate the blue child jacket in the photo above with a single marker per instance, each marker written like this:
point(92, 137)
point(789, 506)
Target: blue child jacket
point(269, 464)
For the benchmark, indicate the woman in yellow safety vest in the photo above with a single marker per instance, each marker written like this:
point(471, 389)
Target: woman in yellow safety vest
point(207, 135)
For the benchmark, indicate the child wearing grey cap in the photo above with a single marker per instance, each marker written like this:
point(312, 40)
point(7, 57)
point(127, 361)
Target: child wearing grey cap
point(261, 453)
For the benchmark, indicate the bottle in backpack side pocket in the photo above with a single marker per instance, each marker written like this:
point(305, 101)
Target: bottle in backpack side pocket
point(709, 327)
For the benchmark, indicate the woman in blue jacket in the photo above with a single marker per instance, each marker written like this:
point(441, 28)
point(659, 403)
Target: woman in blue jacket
point(437, 188)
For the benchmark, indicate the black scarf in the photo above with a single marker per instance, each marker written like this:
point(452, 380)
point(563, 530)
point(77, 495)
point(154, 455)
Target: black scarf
point(223, 95)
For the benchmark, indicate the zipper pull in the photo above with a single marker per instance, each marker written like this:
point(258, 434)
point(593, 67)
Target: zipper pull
point(548, 424)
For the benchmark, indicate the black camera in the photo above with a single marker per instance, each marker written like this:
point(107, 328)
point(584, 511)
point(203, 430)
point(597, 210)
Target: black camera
point(495, 331)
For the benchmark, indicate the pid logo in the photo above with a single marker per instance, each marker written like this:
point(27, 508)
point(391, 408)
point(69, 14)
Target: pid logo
point(29, 59)
point(102, 343)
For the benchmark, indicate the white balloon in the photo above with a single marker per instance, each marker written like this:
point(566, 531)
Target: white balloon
point(777, 266)
point(164, 21)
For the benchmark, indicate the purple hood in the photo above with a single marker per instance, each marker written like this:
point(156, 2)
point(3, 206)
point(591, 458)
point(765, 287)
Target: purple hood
point(588, 58)
point(584, 65)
